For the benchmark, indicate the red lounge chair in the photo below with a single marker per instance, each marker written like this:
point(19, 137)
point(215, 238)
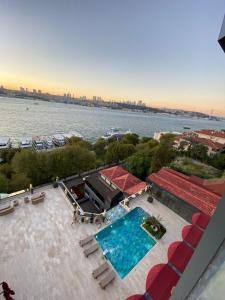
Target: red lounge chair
point(192, 235)
point(160, 281)
point(201, 220)
point(179, 255)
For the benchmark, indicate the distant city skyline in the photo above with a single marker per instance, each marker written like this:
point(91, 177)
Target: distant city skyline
point(163, 53)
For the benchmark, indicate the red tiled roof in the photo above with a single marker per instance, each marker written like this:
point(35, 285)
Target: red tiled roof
point(200, 220)
point(208, 143)
point(160, 281)
point(214, 133)
point(113, 172)
point(192, 235)
point(136, 188)
point(182, 186)
point(125, 181)
point(179, 255)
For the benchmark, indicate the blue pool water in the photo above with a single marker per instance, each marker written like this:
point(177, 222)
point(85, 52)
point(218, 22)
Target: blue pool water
point(115, 213)
point(125, 243)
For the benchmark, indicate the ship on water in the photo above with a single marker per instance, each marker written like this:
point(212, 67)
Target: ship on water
point(5, 143)
point(117, 133)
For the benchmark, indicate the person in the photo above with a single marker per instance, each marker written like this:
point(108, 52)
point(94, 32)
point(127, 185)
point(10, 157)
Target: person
point(7, 292)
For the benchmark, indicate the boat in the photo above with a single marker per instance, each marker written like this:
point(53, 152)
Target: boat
point(48, 143)
point(25, 143)
point(117, 133)
point(38, 143)
point(58, 140)
point(5, 143)
point(186, 127)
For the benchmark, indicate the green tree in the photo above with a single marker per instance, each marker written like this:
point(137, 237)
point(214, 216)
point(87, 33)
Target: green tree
point(130, 138)
point(198, 151)
point(163, 155)
point(19, 182)
point(117, 152)
point(145, 139)
point(4, 184)
point(139, 164)
point(218, 161)
point(8, 154)
point(100, 147)
point(27, 163)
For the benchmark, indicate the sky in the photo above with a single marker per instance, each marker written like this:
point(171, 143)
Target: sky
point(162, 52)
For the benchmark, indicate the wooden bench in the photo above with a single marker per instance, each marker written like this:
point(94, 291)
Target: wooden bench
point(6, 209)
point(38, 199)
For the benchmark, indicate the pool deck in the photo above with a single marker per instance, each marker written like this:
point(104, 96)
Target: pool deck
point(40, 256)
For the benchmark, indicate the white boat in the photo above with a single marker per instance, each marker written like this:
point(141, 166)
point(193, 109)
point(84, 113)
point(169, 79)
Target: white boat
point(25, 143)
point(38, 143)
point(5, 143)
point(58, 140)
point(118, 133)
point(48, 143)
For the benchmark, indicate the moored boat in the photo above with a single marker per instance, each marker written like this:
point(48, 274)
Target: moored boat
point(117, 133)
point(25, 143)
point(5, 143)
point(38, 143)
point(58, 140)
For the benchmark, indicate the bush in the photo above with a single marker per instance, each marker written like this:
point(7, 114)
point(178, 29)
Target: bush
point(154, 227)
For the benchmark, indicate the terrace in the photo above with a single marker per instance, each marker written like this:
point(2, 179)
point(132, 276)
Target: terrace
point(41, 257)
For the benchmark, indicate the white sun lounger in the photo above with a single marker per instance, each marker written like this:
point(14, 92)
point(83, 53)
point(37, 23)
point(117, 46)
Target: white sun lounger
point(91, 250)
point(107, 279)
point(101, 269)
point(86, 240)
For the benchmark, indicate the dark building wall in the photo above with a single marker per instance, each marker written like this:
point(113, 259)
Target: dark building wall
point(176, 204)
point(94, 198)
point(222, 36)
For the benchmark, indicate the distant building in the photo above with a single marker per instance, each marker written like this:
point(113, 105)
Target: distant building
point(213, 135)
point(213, 140)
point(186, 195)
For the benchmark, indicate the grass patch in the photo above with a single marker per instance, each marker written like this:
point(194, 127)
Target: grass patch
point(190, 166)
point(154, 227)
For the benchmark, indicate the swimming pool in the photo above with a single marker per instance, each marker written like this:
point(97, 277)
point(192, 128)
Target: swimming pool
point(116, 213)
point(124, 242)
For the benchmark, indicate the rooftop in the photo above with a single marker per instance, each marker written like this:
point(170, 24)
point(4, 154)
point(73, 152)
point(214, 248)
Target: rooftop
point(123, 180)
point(106, 191)
point(186, 188)
point(41, 258)
point(214, 133)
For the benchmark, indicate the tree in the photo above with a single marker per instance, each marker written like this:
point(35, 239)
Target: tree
point(145, 139)
point(198, 151)
point(8, 154)
point(139, 164)
point(19, 182)
point(117, 152)
point(27, 163)
point(100, 148)
point(218, 161)
point(130, 138)
point(4, 184)
point(163, 155)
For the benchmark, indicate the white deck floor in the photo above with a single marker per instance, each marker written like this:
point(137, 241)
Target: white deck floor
point(40, 257)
